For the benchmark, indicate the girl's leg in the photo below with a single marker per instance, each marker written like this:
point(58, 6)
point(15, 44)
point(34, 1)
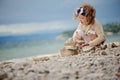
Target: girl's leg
point(76, 37)
point(92, 36)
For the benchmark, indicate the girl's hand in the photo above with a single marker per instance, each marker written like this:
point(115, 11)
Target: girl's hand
point(85, 44)
point(76, 37)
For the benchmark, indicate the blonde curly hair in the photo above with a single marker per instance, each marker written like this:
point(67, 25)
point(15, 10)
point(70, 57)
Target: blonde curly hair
point(90, 13)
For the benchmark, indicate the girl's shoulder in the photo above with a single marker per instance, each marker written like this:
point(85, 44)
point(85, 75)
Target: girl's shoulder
point(79, 25)
point(96, 24)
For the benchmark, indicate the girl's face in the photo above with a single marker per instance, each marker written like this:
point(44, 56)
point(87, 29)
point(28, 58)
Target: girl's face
point(83, 19)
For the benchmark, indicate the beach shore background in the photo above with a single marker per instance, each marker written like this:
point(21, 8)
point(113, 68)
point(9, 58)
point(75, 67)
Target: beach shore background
point(21, 46)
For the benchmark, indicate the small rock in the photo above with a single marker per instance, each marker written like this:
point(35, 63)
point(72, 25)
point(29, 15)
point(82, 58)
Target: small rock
point(114, 45)
point(66, 52)
point(103, 53)
point(2, 75)
point(41, 59)
point(118, 74)
point(104, 46)
point(44, 72)
point(117, 44)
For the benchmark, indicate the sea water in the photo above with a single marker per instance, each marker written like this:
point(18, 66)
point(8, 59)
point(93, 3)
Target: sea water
point(20, 46)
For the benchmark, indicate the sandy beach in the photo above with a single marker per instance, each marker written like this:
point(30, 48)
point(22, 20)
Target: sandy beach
point(99, 65)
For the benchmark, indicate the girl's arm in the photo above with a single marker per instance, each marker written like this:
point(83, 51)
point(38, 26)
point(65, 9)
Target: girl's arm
point(100, 33)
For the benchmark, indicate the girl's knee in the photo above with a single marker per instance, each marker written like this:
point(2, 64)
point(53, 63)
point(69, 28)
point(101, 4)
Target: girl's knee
point(92, 36)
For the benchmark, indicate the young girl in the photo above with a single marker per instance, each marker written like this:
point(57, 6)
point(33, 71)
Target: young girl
point(89, 29)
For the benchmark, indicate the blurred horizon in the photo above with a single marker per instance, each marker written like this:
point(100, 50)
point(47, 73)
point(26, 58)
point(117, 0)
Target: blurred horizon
point(30, 16)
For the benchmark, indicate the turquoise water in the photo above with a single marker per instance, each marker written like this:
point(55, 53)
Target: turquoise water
point(113, 37)
point(28, 45)
point(12, 47)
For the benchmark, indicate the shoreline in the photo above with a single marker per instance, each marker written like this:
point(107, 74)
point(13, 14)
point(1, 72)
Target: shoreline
point(30, 58)
point(57, 54)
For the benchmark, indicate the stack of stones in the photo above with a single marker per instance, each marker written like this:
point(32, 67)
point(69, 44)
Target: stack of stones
point(69, 48)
